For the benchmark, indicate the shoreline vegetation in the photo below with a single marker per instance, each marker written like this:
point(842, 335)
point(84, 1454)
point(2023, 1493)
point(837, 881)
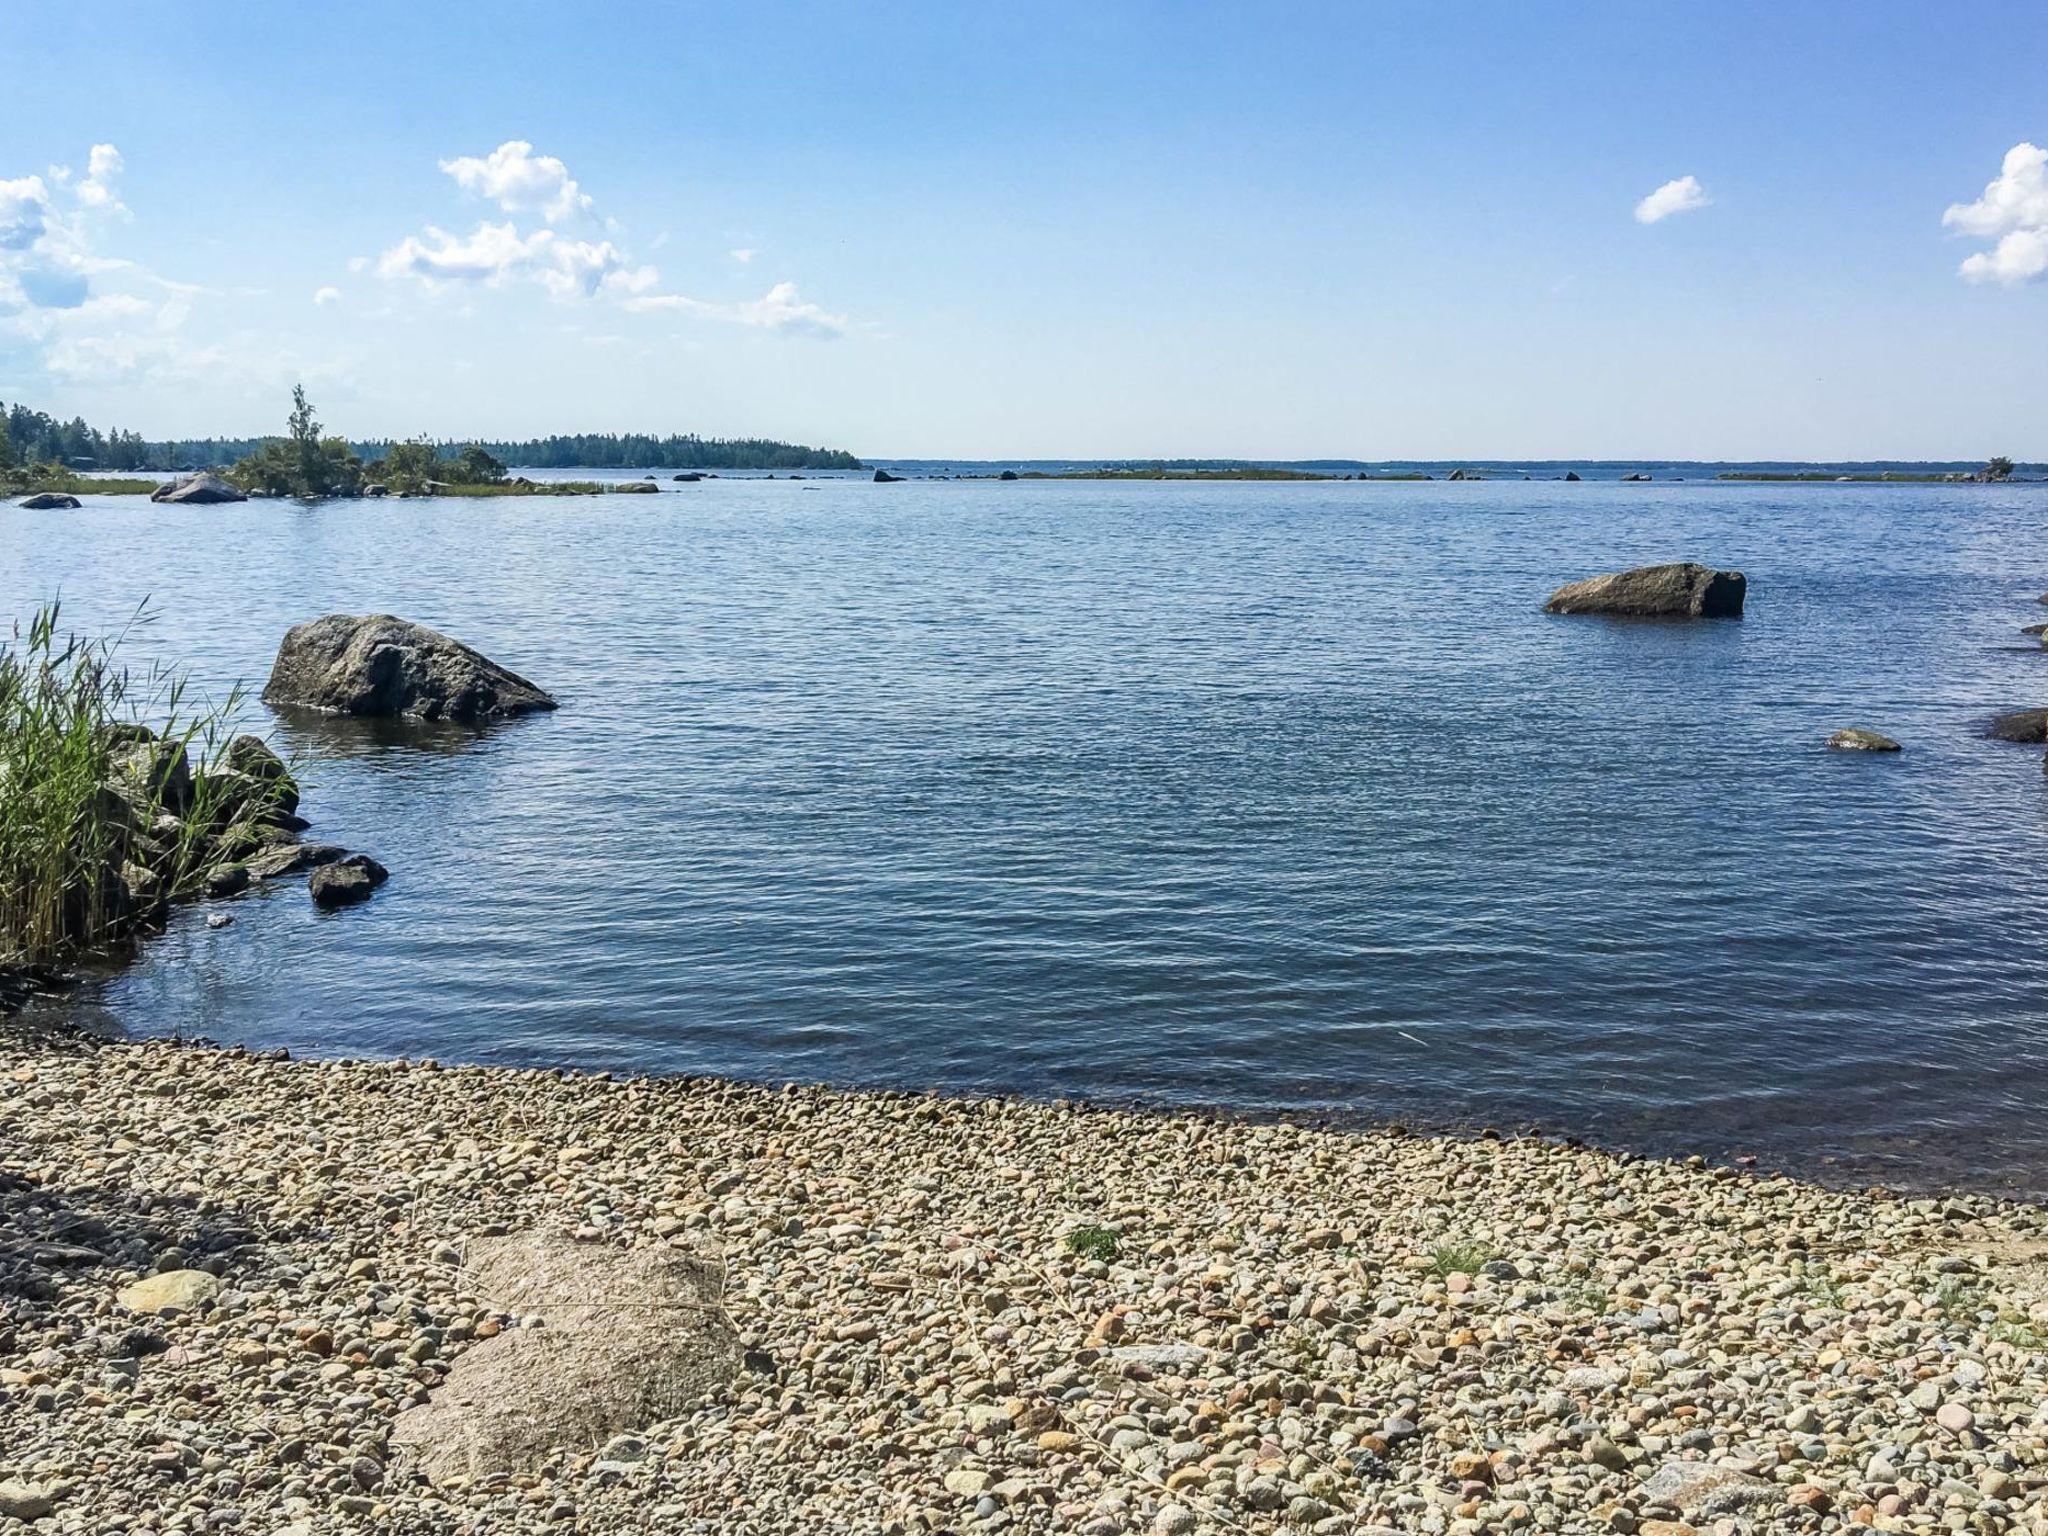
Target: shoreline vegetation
point(255, 1280)
point(107, 819)
point(29, 436)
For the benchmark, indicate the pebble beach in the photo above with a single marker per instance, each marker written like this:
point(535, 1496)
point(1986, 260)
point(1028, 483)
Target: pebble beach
point(226, 1276)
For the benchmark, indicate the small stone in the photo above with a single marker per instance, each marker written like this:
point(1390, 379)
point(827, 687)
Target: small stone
point(1173, 1520)
point(968, 1483)
point(1954, 1418)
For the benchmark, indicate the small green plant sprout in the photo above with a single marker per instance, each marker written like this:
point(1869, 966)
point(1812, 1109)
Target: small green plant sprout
point(1092, 1242)
point(1447, 1259)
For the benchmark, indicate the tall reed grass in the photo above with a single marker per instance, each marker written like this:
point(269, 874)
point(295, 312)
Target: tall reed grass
point(104, 818)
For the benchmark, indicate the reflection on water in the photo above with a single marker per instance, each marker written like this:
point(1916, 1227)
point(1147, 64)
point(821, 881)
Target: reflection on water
point(1270, 796)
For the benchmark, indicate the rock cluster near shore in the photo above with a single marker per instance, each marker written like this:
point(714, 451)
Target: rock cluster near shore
point(981, 1316)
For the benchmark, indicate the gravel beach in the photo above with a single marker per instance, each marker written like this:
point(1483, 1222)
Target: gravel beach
point(961, 1315)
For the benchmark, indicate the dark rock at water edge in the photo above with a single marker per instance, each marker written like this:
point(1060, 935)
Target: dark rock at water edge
point(2024, 725)
point(1856, 739)
point(50, 501)
point(1680, 591)
point(1571, 474)
point(1637, 477)
point(690, 479)
point(883, 477)
point(200, 490)
point(1464, 474)
point(1008, 474)
point(346, 881)
point(381, 666)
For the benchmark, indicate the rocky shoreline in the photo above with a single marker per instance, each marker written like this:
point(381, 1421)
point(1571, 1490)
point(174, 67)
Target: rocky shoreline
point(975, 1315)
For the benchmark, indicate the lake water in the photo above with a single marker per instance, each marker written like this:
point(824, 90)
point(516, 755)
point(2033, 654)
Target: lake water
point(1272, 797)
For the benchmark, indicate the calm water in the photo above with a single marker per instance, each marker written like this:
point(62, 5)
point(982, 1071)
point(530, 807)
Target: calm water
point(1273, 797)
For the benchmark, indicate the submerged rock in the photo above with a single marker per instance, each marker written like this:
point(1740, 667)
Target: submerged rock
point(346, 881)
point(50, 501)
point(379, 665)
point(625, 1339)
point(1686, 590)
point(200, 490)
point(1856, 739)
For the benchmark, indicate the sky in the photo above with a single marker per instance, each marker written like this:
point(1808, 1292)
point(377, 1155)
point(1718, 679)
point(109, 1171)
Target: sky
point(1101, 229)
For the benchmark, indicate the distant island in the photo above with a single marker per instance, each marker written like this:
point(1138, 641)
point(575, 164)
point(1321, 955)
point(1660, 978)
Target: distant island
point(30, 437)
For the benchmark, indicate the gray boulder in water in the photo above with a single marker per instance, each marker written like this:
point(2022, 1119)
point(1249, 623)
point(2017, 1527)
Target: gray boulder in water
point(50, 501)
point(2028, 725)
point(346, 881)
point(379, 665)
point(200, 490)
point(1683, 591)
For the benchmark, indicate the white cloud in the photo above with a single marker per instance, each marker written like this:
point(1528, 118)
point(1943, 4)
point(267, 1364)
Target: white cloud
point(327, 295)
point(519, 181)
point(568, 267)
point(103, 167)
point(24, 212)
point(1680, 196)
point(744, 255)
point(781, 309)
point(2014, 210)
point(498, 253)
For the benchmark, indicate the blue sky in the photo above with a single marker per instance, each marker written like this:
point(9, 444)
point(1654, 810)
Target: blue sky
point(1375, 231)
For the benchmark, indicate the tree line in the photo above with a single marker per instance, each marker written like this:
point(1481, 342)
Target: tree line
point(29, 436)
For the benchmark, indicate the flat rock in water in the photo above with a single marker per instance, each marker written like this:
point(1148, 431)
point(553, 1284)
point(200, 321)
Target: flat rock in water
point(50, 501)
point(1856, 739)
point(380, 665)
point(626, 1339)
point(2028, 725)
point(1682, 591)
point(176, 1290)
point(290, 858)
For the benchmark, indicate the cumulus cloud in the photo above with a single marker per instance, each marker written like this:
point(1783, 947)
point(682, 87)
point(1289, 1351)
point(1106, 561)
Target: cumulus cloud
point(498, 253)
point(102, 169)
point(568, 266)
point(519, 181)
point(1680, 196)
point(744, 255)
point(2013, 212)
point(326, 296)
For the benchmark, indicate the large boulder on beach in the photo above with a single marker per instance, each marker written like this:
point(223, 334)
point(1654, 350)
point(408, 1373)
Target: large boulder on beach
point(50, 501)
point(379, 665)
point(200, 490)
point(1680, 591)
point(614, 1340)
